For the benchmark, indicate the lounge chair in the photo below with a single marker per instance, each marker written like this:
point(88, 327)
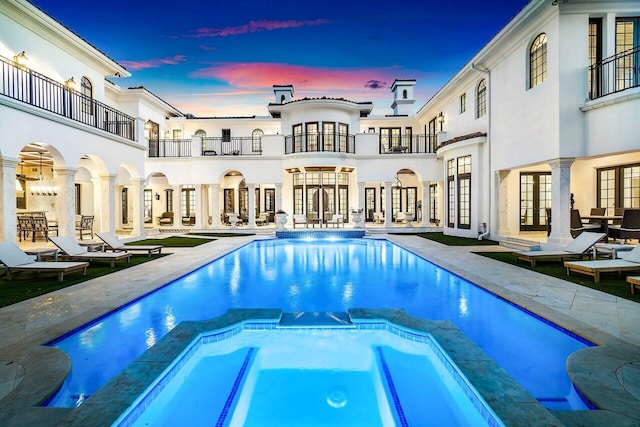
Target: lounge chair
point(634, 281)
point(15, 260)
point(630, 263)
point(336, 220)
point(300, 219)
point(574, 250)
point(113, 243)
point(72, 250)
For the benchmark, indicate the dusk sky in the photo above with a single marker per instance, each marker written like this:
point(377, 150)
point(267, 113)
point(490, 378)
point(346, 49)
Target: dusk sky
point(221, 57)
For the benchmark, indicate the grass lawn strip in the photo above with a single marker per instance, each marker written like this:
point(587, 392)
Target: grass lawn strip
point(221, 234)
point(454, 240)
point(172, 242)
point(610, 283)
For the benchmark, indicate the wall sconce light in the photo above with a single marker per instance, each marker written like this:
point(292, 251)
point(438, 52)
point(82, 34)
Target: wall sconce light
point(440, 118)
point(70, 84)
point(157, 196)
point(21, 59)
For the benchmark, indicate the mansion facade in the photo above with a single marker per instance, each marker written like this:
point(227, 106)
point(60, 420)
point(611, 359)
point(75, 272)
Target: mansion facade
point(545, 117)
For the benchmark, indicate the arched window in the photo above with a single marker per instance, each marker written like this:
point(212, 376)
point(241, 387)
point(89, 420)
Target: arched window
point(256, 140)
point(538, 61)
point(282, 99)
point(481, 98)
point(86, 89)
point(200, 133)
point(404, 94)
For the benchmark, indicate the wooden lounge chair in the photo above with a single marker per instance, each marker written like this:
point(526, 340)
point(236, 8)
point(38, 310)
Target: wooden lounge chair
point(574, 250)
point(15, 260)
point(336, 220)
point(72, 250)
point(634, 281)
point(300, 219)
point(630, 263)
point(113, 243)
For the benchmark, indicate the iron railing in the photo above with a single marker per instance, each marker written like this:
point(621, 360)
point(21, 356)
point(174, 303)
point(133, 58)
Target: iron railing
point(408, 144)
point(335, 142)
point(235, 146)
point(170, 148)
point(615, 74)
point(28, 86)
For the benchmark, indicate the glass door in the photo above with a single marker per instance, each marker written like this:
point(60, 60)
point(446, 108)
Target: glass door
point(535, 198)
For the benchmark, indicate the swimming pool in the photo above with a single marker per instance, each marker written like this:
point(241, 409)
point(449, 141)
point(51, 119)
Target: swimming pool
point(371, 374)
point(295, 275)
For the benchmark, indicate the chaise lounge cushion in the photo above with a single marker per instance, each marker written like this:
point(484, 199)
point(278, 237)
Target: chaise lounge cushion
point(574, 250)
point(114, 243)
point(15, 260)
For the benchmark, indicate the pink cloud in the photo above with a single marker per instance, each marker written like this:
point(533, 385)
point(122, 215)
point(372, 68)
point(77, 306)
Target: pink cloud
point(265, 75)
point(153, 63)
point(254, 27)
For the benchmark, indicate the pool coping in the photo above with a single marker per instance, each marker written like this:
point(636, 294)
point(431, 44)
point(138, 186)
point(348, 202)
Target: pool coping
point(46, 367)
point(506, 397)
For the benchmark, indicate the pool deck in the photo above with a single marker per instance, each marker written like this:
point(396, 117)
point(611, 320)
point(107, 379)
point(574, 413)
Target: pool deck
point(609, 375)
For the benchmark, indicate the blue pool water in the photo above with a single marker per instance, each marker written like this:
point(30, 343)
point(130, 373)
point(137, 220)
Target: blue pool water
point(310, 377)
point(295, 275)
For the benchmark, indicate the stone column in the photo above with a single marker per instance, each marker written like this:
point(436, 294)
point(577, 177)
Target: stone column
point(502, 184)
point(251, 202)
point(104, 206)
point(177, 204)
point(560, 200)
point(8, 200)
point(197, 205)
point(66, 201)
point(426, 207)
point(137, 197)
point(215, 205)
point(204, 207)
point(388, 216)
point(279, 197)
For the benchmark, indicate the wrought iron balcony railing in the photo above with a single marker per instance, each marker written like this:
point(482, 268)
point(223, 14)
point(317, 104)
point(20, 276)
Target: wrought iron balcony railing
point(170, 148)
point(319, 142)
point(235, 146)
point(615, 74)
point(408, 144)
point(28, 86)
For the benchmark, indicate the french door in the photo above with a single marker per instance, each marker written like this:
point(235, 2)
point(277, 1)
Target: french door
point(535, 198)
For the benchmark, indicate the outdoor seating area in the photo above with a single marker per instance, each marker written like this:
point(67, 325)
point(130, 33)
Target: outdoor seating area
point(577, 249)
point(336, 220)
point(114, 244)
point(35, 225)
point(594, 268)
point(72, 250)
point(300, 220)
point(14, 260)
point(84, 225)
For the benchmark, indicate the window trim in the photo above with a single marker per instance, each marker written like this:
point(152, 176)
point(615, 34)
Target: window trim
point(463, 103)
point(481, 98)
point(538, 68)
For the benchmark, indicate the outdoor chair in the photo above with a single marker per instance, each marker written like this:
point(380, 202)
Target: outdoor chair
point(166, 218)
point(72, 250)
point(25, 226)
point(40, 224)
point(300, 220)
point(574, 250)
point(577, 227)
point(113, 243)
point(336, 220)
point(262, 219)
point(15, 260)
point(629, 228)
point(630, 263)
point(85, 225)
point(378, 217)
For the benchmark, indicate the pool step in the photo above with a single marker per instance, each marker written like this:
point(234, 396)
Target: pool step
point(520, 244)
point(316, 318)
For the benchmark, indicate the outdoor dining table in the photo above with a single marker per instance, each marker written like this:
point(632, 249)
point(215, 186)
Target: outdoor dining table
point(604, 220)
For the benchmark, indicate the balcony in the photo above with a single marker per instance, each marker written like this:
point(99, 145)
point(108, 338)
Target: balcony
point(408, 144)
point(319, 142)
point(615, 74)
point(235, 146)
point(170, 148)
point(32, 88)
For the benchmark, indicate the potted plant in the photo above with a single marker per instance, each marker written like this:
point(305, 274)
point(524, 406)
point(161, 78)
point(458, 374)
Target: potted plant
point(281, 219)
point(357, 216)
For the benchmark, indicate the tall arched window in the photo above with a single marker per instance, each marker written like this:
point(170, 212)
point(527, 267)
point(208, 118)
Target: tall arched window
point(201, 133)
point(481, 98)
point(256, 140)
point(86, 89)
point(404, 94)
point(538, 61)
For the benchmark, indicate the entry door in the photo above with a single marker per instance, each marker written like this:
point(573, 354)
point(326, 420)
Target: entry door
point(535, 198)
point(370, 202)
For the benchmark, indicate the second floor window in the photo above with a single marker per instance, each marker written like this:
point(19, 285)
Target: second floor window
point(481, 98)
point(538, 61)
point(86, 89)
point(463, 103)
point(226, 135)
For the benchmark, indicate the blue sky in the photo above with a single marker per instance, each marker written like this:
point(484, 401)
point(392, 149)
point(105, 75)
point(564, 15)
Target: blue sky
point(221, 57)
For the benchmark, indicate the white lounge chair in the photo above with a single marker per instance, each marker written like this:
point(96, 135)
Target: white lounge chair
point(72, 250)
point(574, 250)
point(113, 243)
point(336, 220)
point(630, 263)
point(300, 219)
point(15, 260)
